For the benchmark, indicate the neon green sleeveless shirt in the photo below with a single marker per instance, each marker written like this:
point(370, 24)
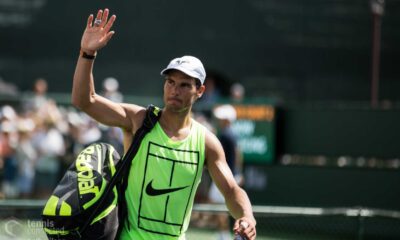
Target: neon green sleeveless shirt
point(163, 180)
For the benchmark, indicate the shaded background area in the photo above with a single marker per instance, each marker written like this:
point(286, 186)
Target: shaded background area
point(287, 50)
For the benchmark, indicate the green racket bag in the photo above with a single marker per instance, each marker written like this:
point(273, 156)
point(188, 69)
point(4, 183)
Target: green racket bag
point(78, 194)
point(88, 202)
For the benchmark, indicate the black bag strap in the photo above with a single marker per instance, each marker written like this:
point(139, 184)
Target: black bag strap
point(153, 114)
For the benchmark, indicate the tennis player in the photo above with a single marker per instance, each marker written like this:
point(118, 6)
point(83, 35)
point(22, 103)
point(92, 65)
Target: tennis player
point(166, 171)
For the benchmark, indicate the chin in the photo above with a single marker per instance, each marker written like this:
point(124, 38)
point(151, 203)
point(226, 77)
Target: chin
point(172, 107)
point(175, 108)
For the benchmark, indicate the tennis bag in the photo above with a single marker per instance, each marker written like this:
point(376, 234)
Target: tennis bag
point(88, 202)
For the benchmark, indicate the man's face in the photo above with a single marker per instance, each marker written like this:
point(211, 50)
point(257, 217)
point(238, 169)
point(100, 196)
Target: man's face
point(180, 91)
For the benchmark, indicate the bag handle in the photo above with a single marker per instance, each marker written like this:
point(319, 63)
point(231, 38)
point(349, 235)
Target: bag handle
point(153, 114)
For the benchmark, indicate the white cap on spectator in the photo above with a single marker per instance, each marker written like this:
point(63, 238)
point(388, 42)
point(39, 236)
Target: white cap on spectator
point(8, 127)
point(8, 112)
point(111, 84)
point(226, 112)
point(189, 65)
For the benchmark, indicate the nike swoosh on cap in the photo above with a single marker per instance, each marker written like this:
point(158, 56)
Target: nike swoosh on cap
point(155, 192)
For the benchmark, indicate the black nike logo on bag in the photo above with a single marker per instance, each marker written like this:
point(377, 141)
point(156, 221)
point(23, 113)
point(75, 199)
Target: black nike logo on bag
point(155, 192)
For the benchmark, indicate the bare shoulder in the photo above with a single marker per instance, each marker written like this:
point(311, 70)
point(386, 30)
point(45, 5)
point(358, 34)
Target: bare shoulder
point(210, 138)
point(133, 108)
point(136, 113)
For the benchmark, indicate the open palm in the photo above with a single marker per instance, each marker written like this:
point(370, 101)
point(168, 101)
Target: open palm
point(96, 35)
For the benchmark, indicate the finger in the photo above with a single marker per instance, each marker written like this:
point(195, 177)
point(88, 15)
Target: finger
point(110, 23)
point(236, 226)
point(252, 236)
point(109, 36)
point(89, 21)
point(104, 18)
point(244, 233)
point(250, 233)
point(99, 14)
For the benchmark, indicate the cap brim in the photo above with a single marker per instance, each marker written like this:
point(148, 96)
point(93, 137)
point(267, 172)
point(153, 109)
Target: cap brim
point(185, 71)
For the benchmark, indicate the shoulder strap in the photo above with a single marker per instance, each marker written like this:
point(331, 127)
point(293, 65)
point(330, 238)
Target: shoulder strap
point(153, 114)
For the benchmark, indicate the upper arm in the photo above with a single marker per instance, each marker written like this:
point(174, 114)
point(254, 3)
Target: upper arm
point(105, 111)
point(217, 165)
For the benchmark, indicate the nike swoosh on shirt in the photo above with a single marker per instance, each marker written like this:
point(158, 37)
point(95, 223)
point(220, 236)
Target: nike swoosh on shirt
point(155, 192)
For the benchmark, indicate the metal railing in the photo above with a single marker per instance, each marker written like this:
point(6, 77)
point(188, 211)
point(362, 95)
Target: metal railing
point(274, 222)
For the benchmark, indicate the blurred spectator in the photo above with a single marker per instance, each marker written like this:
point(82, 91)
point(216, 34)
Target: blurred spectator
point(237, 93)
point(49, 142)
point(8, 113)
point(26, 157)
point(111, 90)
point(212, 94)
point(89, 132)
point(225, 116)
point(39, 97)
point(8, 143)
point(76, 125)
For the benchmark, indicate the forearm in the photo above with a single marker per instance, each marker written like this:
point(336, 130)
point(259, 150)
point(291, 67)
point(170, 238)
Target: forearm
point(239, 205)
point(83, 84)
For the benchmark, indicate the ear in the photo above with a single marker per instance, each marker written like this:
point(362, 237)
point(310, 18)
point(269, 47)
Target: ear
point(200, 91)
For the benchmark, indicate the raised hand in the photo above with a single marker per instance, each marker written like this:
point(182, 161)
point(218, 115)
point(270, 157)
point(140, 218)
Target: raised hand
point(97, 32)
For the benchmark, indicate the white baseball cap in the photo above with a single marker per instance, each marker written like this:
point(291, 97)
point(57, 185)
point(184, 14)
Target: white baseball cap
point(189, 65)
point(225, 112)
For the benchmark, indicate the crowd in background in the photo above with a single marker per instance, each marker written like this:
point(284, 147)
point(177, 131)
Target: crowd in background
point(39, 139)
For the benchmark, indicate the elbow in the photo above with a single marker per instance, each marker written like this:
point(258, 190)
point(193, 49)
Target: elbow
point(80, 102)
point(76, 101)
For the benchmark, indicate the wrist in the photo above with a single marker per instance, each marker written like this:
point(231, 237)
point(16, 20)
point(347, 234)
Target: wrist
point(88, 51)
point(88, 54)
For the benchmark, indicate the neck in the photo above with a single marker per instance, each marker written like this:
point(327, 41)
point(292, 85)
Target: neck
point(175, 121)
